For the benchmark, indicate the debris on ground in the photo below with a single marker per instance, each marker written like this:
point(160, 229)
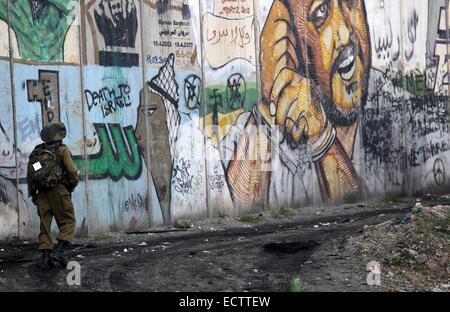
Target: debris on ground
point(271, 254)
point(407, 218)
point(183, 224)
point(414, 254)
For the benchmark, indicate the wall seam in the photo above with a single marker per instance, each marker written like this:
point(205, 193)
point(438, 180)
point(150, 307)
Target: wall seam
point(149, 175)
point(83, 62)
point(204, 97)
point(14, 111)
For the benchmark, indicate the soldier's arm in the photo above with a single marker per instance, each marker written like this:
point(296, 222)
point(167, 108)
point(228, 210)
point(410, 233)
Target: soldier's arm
point(32, 191)
point(72, 170)
point(66, 7)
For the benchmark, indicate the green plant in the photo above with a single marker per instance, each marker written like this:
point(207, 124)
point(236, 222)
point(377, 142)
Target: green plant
point(283, 213)
point(398, 261)
point(296, 284)
point(251, 218)
point(101, 237)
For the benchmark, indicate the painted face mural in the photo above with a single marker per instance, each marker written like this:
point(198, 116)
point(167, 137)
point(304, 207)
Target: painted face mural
point(325, 44)
point(117, 22)
point(337, 48)
point(314, 68)
point(116, 9)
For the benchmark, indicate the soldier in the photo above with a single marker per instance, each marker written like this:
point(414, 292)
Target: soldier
point(50, 185)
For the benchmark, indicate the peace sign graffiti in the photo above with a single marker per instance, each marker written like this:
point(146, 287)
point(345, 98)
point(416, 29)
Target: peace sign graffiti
point(439, 171)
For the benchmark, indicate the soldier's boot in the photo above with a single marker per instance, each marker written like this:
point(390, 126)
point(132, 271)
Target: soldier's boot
point(61, 246)
point(44, 260)
point(58, 255)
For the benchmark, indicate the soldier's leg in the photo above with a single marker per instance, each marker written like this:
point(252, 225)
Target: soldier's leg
point(46, 216)
point(64, 213)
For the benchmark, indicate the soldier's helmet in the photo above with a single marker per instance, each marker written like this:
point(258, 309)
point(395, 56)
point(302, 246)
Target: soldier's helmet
point(53, 132)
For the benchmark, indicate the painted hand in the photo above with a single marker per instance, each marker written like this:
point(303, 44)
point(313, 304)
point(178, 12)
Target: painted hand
point(290, 101)
point(129, 6)
point(296, 108)
point(278, 47)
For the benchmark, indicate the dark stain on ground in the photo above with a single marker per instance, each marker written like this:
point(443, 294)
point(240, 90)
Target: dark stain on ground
point(290, 248)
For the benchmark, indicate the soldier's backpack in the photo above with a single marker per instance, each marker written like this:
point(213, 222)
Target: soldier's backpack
point(44, 169)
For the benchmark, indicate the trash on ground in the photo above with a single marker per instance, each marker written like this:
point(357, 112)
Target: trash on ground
point(407, 218)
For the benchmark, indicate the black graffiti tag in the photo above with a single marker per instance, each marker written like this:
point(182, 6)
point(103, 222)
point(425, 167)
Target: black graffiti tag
point(3, 194)
point(109, 100)
point(439, 172)
point(46, 92)
point(136, 203)
point(236, 91)
point(183, 178)
point(193, 91)
point(217, 98)
point(216, 180)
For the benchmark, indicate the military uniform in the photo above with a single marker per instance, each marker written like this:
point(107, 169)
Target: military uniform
point(57, 202)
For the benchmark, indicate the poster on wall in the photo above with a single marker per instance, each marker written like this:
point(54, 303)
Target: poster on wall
point(170, 29)
point(112, 33)
point(230, 29)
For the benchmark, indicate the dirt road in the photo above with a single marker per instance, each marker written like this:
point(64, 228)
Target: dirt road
point(213, 256)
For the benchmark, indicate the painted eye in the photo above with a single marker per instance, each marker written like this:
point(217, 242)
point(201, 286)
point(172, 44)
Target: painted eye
point(320, 14)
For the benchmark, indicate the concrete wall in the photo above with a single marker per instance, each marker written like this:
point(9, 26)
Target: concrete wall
point(187, 109)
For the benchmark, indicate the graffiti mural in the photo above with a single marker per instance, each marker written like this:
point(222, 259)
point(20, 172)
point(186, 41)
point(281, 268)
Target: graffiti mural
point(113, 27)
point(439, 66)
point(158, 114)
point(39, 26)
point(191, 109)
point(109, 101)
point(230, 29)
point(10, 205)
point(113, 160)
point(313, 98)
point(117, 22)
point(7, 150)
point(174, 22)
point(46, 92)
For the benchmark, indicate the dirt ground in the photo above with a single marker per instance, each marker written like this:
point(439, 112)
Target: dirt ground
point(308, 249)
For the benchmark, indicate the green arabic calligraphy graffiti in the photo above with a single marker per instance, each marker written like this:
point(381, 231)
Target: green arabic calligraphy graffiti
point(114, 162)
